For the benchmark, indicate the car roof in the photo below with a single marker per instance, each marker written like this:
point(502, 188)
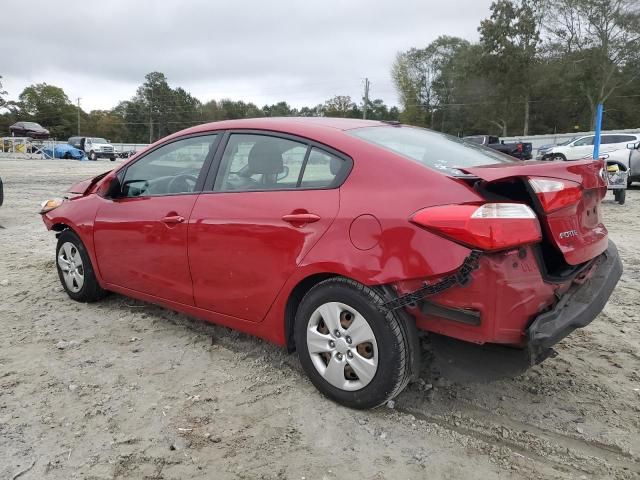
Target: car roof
point(322, 129)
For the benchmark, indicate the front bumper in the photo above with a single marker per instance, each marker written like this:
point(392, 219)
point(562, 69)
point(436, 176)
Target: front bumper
point(577, 308)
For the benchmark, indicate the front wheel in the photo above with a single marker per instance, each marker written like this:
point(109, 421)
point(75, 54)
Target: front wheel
point(354, 350)
point(558, 157)
point(93, 156)
point(75, 270)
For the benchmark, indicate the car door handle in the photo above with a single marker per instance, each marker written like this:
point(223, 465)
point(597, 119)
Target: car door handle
point(173, 219)
point(300, 218)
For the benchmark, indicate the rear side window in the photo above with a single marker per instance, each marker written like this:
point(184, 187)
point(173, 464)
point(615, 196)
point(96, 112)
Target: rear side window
point(608, 139)
point(626, 138)
point(433, 149)
point(321, 169)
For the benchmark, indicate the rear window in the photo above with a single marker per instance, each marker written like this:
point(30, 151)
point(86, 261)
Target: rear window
point(435, 150)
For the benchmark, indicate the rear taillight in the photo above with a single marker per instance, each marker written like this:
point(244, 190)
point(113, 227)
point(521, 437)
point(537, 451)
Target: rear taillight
point(554, 193)
point(520, 147)
point(492, 226)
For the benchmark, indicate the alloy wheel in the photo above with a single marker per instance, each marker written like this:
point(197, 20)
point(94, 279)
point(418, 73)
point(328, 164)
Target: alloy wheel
point(70, 263)
point(342, 346)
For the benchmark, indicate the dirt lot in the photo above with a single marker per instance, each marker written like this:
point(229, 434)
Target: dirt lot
point(122, 389)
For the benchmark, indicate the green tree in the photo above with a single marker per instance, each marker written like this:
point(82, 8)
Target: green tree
point(510, 40)
point(341, 106)
point(49, 106)
point(280, 109)
point(421, 77)
point(597, 40)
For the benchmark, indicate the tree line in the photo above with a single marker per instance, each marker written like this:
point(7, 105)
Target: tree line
point(540, 66)
point(157, 110)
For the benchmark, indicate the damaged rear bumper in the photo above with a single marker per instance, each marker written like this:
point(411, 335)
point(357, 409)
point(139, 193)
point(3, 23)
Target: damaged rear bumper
point(577, 307)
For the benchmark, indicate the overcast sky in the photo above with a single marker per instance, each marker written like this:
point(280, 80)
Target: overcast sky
point(302, 51)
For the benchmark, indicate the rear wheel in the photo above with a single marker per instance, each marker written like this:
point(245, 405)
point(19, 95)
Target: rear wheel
point(93, 156)
point(353, 350)
point(75, 269)
point(113, 159)
point(629, 182)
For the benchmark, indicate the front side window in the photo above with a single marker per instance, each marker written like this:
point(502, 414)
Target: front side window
point(584, 142)
point(260, 162)
point(435, 150)
point(171, 169)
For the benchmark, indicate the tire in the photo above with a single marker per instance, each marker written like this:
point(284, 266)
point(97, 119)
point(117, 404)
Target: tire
point(1, 193)
point(351, 380)
point(557, 157)
point(113, 159)
point(620, 195)
point(629, 182)
point(92, 156)
point(71, 253)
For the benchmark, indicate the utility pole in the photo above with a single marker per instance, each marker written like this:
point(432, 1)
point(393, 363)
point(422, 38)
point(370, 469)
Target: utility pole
point(366, 98)
point(78, 116)
point(151, 118)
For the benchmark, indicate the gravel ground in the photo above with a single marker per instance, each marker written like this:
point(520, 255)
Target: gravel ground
point(124, 389)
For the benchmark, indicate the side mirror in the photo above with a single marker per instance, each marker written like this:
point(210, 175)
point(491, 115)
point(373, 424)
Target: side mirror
point(115, 188)
point(633, 146)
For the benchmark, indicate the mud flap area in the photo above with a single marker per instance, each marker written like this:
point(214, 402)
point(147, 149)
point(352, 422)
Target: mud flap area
point(576, 309)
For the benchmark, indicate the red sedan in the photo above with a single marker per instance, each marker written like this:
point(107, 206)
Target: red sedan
point(340, 239)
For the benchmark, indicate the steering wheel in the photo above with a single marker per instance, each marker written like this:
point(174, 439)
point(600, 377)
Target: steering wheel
point(183, 183)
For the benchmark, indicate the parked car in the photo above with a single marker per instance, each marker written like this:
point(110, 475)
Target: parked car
point(94, 147)
point(340, 239)
point(521, 150)
point(629, 159)
point(580, 147)
point(29, 129)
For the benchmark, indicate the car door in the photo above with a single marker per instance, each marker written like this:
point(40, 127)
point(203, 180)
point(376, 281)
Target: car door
point(140, 235)
point(272, 200)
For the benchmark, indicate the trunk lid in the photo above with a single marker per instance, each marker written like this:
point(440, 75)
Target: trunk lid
point(576, 230)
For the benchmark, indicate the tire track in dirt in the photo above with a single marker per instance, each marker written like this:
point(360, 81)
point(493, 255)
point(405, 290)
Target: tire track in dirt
point(521, 436)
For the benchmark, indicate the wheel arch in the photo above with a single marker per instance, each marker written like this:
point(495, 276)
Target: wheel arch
point(293, 301)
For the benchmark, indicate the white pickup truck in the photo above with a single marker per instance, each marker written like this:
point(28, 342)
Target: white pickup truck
point(94, 147)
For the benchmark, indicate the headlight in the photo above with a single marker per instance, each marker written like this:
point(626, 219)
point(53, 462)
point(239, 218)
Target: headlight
point(49, 205)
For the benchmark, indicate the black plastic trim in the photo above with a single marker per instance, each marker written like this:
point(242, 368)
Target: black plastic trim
point(576, 308)
point(468, 317)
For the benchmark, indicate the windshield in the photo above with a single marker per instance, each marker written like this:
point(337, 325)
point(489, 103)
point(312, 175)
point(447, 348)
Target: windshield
point(97, 140)
point(31, 125)
point(434, 149)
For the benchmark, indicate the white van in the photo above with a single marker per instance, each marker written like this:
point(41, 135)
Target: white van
point(582, 147)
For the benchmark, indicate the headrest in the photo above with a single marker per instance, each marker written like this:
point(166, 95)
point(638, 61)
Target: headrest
point(265, 158)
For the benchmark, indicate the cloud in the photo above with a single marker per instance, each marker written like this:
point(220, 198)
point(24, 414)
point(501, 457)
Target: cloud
point(262, 51)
